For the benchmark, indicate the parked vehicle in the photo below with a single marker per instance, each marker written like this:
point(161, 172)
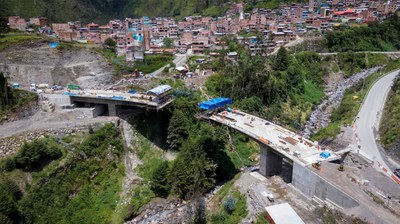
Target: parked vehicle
point(55, 87)
point(15, 86)
point(74, 87)
point(43, 86)
point(268, 195)
point(32, 87)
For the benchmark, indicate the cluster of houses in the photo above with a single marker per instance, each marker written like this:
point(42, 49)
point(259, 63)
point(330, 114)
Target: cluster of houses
point(135, 37)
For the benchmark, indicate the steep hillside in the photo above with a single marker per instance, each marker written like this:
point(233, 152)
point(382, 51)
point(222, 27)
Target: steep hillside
point(390, 126)
point(101, 11)
point(33, 61)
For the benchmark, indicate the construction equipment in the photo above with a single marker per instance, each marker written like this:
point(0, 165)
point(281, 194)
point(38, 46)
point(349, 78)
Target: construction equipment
point(317, 165)
point(341, 167)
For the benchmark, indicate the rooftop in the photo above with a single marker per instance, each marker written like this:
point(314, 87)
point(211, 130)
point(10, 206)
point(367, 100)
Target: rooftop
point(283, 214)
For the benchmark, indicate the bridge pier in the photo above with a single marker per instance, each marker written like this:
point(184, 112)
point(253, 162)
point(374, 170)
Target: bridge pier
point(112, 109)
point(270, 162)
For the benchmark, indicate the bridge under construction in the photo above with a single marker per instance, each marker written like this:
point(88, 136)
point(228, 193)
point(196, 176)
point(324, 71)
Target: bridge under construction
point(286, 153)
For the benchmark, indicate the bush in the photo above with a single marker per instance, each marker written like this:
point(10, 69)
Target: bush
point(33, 154)
point(230, 205)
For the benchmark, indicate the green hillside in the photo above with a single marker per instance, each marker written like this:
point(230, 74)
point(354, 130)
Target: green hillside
point(103, 10)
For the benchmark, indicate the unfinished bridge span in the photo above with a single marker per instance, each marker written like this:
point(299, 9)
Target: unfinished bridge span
point(285, 153)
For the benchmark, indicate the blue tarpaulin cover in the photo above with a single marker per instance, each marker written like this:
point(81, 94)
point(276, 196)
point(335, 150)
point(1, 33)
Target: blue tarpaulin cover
point(53, 44)
point(132, 91)
point(215, 103)
point(325, 154)
point(69, 93)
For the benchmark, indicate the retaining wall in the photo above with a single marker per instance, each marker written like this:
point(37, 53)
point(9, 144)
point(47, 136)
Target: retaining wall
point(312, 185)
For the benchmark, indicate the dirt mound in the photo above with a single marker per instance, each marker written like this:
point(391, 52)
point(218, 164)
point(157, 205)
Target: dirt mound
point(38, 63)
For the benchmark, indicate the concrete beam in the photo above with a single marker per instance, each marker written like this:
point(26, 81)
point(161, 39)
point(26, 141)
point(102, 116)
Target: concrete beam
point(270, 162)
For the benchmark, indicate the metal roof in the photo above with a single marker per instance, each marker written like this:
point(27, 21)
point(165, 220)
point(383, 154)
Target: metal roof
point(160, 89)
point(283, 214)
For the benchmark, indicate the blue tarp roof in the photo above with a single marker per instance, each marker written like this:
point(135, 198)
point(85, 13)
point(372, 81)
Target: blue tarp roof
point(53, 44)
point(215, 103)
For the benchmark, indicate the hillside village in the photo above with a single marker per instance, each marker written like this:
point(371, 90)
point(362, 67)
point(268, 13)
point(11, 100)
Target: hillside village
point(229, 119)
point(260, 29)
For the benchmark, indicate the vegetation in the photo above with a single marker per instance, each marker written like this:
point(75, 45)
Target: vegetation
point(14, 39)
point(12, 99)
point(168, 42)
point(3, 24)
point(389, 128)
point(232, 210)
point(110, 43)
point(268, 82)
point(81, 187)
point(9, 196)
point(159, 180)
point(375, 36)
point(177, 130)
point(33, 154)
point(350, 104)
point(150, 64)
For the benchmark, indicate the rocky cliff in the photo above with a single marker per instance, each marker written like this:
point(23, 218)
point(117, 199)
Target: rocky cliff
point(38, 63)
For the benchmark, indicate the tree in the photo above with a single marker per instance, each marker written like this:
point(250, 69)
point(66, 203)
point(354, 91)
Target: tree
point(34, 153)
point(6, 94)
point(168, 42)
point(159, 182)
point(230, 204)
point(3, 24)
point(282, 59)
point(110, 42)
point(177, 130)
point(192, 172)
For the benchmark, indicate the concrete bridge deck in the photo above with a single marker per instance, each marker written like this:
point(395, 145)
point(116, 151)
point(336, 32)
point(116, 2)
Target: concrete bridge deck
point(285, 153)
point(121, 98)
point(112, 102)
point(282, 141)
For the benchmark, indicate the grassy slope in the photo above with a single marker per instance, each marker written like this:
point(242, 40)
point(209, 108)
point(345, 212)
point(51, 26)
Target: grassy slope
point(81, 187)
point(17, 38)
point(390, 125)
point(22, 98)
point(349, 106)
point(102, 11)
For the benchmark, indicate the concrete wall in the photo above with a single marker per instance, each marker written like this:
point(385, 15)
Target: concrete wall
point(312, 185)
point(58, 99)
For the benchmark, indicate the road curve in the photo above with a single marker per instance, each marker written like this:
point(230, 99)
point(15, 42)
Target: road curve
point(363, 52)
point(367, 123)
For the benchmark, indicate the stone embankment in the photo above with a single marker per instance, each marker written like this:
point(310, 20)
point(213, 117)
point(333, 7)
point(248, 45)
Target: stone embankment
point(10, 145)
point(167, 211)
point(320, 116)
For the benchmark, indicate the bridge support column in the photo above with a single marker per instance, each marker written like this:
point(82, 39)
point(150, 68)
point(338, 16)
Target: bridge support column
point(112, 109)
point(270, 162)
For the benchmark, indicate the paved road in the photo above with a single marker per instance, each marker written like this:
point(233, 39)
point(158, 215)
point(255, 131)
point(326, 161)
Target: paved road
point(179, 60)
point(363, 52)
point(369, 116)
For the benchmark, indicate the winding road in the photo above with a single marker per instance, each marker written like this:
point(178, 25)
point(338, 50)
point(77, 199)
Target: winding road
point(368, 118)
